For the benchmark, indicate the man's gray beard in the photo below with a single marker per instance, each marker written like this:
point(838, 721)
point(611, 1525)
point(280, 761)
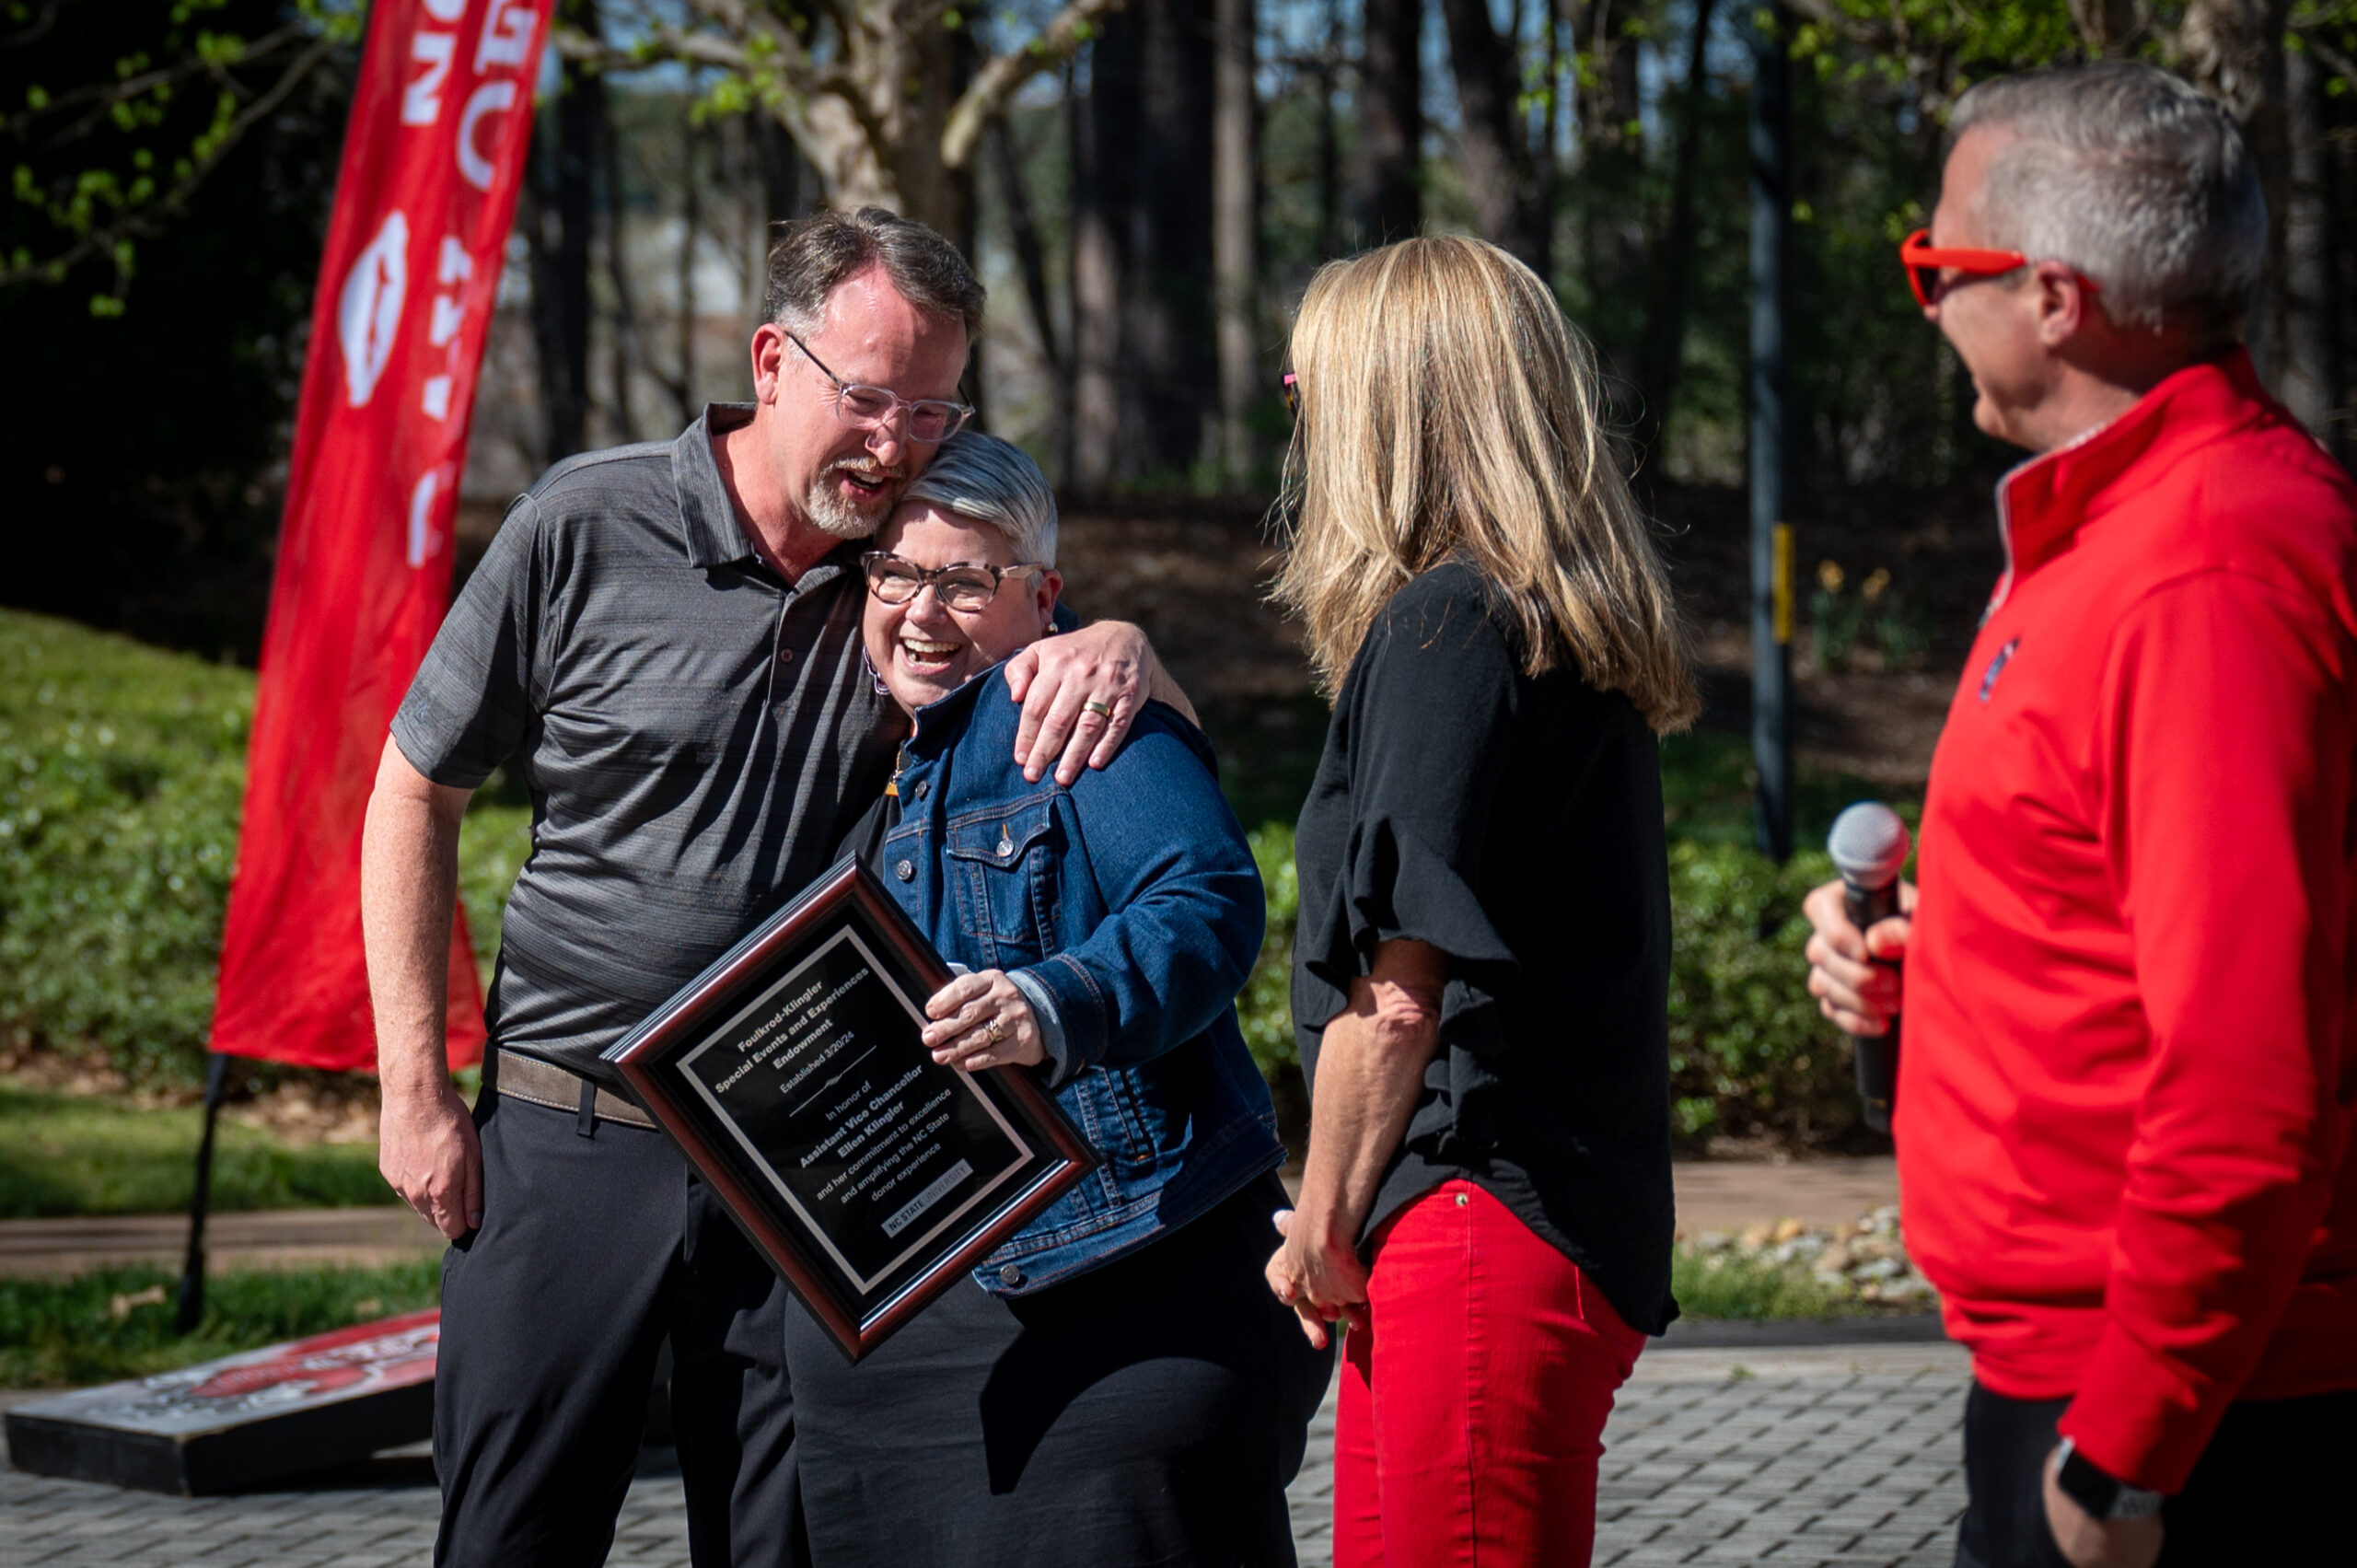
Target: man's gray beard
point(831, 514)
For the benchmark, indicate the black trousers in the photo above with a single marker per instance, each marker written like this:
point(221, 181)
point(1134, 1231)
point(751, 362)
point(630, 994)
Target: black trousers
point(2266, 1491)
point(593, 1250)
point(1151, 1410)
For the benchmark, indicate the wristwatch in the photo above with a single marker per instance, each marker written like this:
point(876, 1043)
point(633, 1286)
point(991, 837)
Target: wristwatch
point(2103, 1495)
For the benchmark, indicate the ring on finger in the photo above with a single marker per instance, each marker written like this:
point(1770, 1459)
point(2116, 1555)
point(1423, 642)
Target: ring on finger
point(1102, 710)
point(997, 1034)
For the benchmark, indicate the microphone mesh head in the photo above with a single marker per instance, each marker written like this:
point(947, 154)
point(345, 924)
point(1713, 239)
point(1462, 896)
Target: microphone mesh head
point(1868, 844)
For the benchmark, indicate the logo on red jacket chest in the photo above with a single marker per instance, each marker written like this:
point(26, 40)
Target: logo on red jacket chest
point(1997, 664)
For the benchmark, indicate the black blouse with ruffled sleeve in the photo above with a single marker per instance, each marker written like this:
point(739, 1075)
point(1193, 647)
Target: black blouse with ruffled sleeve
point(1514, 822)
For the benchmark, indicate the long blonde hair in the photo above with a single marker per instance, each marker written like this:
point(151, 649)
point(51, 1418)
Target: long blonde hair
point(1446, 406)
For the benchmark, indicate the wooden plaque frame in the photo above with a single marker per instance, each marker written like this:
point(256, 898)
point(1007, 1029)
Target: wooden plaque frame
point(848, 921)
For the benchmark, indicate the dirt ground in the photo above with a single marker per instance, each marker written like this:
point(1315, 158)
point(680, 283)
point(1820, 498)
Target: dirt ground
point(1197, 581)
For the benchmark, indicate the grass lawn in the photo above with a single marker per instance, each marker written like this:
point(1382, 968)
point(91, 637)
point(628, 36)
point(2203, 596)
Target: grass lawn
point(77, 1155)
point(1723, 1285)
point(117, 1322)
point(121, 774)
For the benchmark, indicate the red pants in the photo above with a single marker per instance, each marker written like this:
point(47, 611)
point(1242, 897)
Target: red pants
point(1472, 1409)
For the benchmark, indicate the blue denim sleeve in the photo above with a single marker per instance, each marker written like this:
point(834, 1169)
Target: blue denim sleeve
point(1052, 1023)
point(1185, 907)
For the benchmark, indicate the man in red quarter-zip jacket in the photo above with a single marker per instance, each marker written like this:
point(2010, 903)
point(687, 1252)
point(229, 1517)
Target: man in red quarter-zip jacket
point(2126, 1085)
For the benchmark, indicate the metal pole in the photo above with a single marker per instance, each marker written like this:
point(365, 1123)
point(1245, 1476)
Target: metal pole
point(190, 1307)
point(1771, 536)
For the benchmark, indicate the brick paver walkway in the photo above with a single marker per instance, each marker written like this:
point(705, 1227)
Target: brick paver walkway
point(1843, 1455)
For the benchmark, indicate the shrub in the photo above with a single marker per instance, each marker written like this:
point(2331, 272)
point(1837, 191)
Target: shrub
point(121, 772)
point(1748, 1054)
point(1266, 1006)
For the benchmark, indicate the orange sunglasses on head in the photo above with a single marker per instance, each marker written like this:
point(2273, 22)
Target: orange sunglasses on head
point(1924, 262)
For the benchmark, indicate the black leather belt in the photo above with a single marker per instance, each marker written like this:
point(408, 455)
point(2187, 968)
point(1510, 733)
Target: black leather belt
point(544, 1083)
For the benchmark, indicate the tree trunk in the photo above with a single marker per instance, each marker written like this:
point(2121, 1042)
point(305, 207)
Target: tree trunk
point(1387, 200)
point(1669, 276)
point(1330, 150)
point(1614, 234)
point(2235, 51)
point(627, 349)
point(2312, 303)
point(562, 191)
point(1173, 364)
point(2109, 28)
point(1492, 143)
point(1104, 132)
point(788, 183)
point(936, 195)
point(683, 391)
point(1236, 221)
point(1030, 249)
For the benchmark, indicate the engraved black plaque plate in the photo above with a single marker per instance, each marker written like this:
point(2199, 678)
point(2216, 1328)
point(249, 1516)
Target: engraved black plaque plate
point(793, 1074)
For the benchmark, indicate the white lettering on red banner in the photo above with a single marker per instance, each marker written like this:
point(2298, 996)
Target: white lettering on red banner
point(433, 159)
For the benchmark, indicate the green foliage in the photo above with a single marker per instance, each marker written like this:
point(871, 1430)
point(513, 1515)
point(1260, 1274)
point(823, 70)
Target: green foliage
point(1723, 1284)
point(1266, 1006)
point(121, 769)
point(85, 1154)
point(117, 1322)
point(1748, 1052)
point(1749, 1056)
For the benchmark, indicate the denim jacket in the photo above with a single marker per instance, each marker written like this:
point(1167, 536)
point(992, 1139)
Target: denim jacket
point(1131, 904)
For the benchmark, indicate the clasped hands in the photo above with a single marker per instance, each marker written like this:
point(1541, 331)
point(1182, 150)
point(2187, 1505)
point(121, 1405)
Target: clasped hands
point(1318, 1273)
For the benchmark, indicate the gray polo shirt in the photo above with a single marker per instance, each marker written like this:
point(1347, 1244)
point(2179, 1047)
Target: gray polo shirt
point(696, 733)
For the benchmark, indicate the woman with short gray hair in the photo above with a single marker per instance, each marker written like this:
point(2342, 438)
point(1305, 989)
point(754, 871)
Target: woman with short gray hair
point(1113, 1385)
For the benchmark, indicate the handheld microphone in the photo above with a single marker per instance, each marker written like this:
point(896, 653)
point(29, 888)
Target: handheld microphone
point(1868, 845)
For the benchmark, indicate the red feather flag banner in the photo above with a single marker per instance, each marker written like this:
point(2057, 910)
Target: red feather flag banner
point(433, 161)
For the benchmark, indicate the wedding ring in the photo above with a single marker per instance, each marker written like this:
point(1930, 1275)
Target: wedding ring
point(998, 1035)
point(1103, 710)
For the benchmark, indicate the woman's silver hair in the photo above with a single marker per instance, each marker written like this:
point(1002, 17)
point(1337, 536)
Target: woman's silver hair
point(992, 482)
point(2133, 177)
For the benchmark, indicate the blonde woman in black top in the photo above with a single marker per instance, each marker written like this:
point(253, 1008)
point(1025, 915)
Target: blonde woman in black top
point(1482, 960)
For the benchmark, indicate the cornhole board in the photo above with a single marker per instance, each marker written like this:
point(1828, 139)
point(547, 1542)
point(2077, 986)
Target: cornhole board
point(245, 1419)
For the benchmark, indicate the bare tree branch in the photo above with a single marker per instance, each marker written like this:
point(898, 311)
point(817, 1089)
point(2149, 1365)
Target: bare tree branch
point(2313, 37)
point(1003, 74)
point(139, 221)
point(102, 96)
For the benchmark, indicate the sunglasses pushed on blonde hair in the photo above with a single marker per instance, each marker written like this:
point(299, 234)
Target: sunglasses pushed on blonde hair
point(1446, 406)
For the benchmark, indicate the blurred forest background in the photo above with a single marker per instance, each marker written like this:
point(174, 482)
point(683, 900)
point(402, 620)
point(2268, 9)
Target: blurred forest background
point(1146, 188)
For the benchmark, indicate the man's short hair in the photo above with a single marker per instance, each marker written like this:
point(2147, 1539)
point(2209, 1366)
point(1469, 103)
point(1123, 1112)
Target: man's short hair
point(992, 482)
point(813, 256)
point(2134, 179)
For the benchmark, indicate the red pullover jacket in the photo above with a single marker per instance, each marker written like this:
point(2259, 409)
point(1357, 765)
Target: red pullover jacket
point(2128, 1073)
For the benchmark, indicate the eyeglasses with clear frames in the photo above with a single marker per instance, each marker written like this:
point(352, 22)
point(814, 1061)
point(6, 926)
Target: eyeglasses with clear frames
point(931, 419)
point(960, 586)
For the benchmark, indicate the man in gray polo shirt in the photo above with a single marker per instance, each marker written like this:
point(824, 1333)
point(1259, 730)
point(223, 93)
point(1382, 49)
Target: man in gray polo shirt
point(665, 640)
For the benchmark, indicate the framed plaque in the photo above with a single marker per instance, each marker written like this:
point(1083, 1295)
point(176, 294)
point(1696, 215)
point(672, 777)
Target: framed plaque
point(792, 1074)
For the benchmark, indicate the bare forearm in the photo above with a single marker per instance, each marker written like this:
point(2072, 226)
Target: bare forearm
point(1370, 1075)
point(1368, 1089)
point(408, 873)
